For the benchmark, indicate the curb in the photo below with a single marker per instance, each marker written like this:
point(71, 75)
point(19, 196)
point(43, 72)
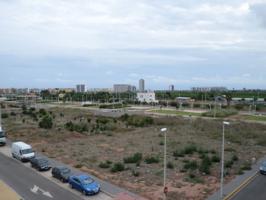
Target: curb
point(241, 186)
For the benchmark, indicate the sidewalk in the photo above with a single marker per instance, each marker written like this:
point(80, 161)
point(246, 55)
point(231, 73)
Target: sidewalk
point(235, 183)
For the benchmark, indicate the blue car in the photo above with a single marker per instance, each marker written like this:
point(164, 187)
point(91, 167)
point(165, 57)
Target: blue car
point(85, 184)
point(263, 168)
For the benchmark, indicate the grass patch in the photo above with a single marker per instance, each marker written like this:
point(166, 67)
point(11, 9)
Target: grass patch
point(255, 117)
point(175, 112)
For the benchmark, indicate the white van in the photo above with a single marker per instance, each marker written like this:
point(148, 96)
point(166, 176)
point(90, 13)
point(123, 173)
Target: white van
point(22, 151)
point(2, 137)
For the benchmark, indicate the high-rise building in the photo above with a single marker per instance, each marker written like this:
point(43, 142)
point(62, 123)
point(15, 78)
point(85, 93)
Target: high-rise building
point(141, 85)
point(171, 87)
point(119, 88)
point(80, 88)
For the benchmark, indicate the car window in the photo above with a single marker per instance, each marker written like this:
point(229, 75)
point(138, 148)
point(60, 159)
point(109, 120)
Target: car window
point(87, 181)
point(77, 180)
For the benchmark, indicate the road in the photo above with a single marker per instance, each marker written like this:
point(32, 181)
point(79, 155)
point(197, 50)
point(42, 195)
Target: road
point(254, 190)
point(29, 184)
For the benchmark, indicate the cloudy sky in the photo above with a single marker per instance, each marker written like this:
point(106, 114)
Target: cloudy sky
point(59, 43)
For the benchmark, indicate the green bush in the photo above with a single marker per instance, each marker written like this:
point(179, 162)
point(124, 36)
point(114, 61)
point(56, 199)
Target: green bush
point(42, 112)
point(76, 127)
point(205, 165)
point(190, 165)
point(4, 115)
point(190, 149)
point(215, 158)
point(246, 166)
point(117, 167)
point(170, 165)
point(136, 158)
point(229, 164)
point(178, 153)
point(151, 160)
point(137, 121)
point(13, 113)
point(46, 122)
point(105, 165)
point(234, 158)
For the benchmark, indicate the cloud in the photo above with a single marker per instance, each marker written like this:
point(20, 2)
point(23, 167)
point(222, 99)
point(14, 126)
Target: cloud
point(259, 10)
point(110, 40)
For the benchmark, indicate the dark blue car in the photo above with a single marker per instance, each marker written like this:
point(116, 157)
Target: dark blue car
point(85, 184)
point(263, 168)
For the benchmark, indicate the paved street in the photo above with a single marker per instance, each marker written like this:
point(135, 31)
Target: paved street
point(108, 190)
point(23, 180)
point(254, 190)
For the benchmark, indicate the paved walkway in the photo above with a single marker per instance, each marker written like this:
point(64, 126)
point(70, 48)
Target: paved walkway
point(235, 183)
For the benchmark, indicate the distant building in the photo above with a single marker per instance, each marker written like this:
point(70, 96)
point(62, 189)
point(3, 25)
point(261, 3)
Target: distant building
point(171, 87)
point(148, 97)
point(22, 91)
point(80, 88)
point(141, 85)
point(119, 88)
point(100, 90)
point(209, 89)
point(35, 90)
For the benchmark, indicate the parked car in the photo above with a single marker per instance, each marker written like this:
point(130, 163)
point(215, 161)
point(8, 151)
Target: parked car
point(22, 151)
point(263, 168)
point(61, 173)
point(40, 164)
point(2, 136)
point(85, 184)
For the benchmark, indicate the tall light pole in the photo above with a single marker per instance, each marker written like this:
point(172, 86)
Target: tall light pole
point(222, 161)
point(164, 166)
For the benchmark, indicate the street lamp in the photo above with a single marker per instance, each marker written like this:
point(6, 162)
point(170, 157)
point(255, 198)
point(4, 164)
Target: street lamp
point(164, 169)
point(222, 159)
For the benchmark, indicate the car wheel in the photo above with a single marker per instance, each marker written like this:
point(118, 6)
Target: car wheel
point(62, 180)
point(84, 192)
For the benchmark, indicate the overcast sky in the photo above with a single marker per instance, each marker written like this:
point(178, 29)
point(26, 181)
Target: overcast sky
point(60, 43)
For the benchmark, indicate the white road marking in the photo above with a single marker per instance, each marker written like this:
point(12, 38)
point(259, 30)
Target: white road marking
point(35, 190)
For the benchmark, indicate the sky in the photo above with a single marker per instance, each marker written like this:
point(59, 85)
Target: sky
point(187, 43)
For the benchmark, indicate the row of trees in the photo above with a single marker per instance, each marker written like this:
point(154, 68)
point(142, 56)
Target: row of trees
point(107, 97)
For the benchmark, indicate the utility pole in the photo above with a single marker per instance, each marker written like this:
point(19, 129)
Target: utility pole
point(222, 162)
point(164, 171)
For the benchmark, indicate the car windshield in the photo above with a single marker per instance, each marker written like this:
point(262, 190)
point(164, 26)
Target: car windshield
point(2, 134)
point(87, 181)
point(264, 164)
point(42, 161)
point(26, 151)
point(65, 171)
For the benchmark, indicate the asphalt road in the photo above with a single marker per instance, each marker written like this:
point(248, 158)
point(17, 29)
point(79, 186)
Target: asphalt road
point(29, 184)
point(254, 190)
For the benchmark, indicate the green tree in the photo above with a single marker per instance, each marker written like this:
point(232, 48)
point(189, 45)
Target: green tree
point(46, 122)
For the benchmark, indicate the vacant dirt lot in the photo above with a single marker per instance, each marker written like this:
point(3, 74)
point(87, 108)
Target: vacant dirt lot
point(128, 151)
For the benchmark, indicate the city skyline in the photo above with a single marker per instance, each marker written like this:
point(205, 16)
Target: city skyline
point(185, 43)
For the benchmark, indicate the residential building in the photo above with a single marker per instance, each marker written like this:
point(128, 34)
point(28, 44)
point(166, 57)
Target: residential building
point(141, 85)
point(81, 88)
point(148, 97)
point(119, 88)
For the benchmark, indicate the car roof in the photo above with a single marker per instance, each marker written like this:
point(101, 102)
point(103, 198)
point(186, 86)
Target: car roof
point(61, 167)
point(22, 145)
point(40, 158)
point(83, 177)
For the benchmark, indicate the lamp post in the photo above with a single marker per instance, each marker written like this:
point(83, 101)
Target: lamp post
point(222, 161)
point(164, 166)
